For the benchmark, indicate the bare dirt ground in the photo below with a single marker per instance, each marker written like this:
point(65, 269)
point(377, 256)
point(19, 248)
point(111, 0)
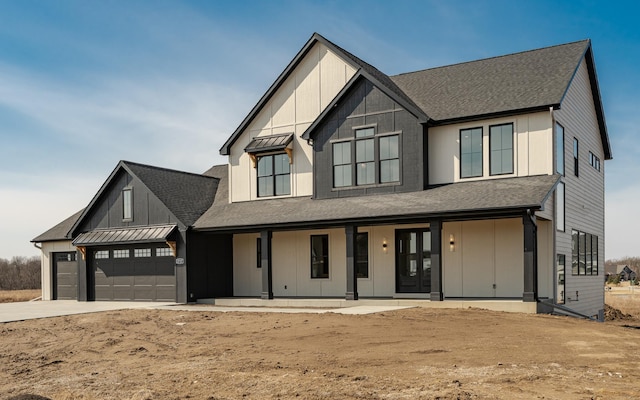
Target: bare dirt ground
point(408, 354)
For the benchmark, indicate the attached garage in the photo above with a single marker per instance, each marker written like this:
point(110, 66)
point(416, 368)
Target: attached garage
point(130, 264)
point(65, 276)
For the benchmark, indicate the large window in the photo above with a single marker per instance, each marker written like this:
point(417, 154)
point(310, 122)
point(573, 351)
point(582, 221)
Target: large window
point(559, 149)
point(274, 175)
point(584, 253)
point(127, 204)
point(362, 255)
point(470, 152)
point(560, 207)
point(575, 156)
point(367, 159)
point(319, 256)
point(501, 149)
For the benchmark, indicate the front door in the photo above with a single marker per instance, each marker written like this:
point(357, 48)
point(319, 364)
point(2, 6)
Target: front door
point(413, 261)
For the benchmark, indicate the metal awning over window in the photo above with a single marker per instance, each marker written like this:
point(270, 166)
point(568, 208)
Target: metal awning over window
point(268, 144)
point(141, 234)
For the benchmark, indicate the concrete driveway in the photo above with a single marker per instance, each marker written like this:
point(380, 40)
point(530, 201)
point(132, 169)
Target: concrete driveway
point(10, 312)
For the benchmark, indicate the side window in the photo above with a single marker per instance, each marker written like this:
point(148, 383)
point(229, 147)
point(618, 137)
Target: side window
point(470, 153)
point(389, 159)
point(560, 207)
point(127, 204)
point(259, 253)
point(560, 266)
point(559, 149)
point(319, 256)
point(342, 164)
point(362, 255)
point(365, 157)
point(501, 149)
point(575, 157)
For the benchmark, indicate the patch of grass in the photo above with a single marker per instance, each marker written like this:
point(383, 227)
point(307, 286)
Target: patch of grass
point(12, 296)
point(627, 303)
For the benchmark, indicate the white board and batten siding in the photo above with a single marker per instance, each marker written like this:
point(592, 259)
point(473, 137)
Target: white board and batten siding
point(584, 195)
point(533, 148)
point(306, 92)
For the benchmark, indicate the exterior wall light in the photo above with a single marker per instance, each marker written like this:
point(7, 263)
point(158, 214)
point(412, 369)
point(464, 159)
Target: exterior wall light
point(452, 243)
point(384, 246)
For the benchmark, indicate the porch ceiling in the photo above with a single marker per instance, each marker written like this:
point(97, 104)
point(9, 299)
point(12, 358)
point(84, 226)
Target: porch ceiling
point(479, 197)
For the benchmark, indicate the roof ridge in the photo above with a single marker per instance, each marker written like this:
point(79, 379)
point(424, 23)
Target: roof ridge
point(163, 168)
point(490, 58)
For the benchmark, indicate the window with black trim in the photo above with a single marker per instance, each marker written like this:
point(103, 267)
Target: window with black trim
point(560, 207)
point(560, 267)
point(258, 252)
point(367, 159)
point(470, 152)
point(594, 161)
point(362, 255)
point(575, 157)
point(501, 149)
point(127, 204)
point(559, 149)
point(274, 175)
point(319, 256)
point(584, 253)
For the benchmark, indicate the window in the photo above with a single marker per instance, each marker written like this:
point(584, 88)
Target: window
point(127, 204)
point(121, 253)
point(389, 159)
point(164, 252)
point(142, 252)
point(274, 175)
point(101, 254)
point(258, 252)
point(470, 153)
point(560, 283)
point(319, 256)
point(501, 149)
point(560, 207)
point(594, 161)
point(584, 253)
point(367, 159)
point(342, 164)
point(575, 156)
point(559, 149)
point(362, 255)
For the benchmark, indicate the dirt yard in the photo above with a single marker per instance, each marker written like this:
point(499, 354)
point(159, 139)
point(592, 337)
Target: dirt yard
point(408, 354)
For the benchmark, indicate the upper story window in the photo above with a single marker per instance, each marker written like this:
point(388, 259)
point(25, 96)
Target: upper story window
point(470, 153)
point(575, 156)
point(367, 159)
point(127, 204)
point(594, 161)
point(559, 149)
point(501, 149)
point(274, 175)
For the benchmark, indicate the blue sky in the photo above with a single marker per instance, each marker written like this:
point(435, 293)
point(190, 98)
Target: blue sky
point(84, 84)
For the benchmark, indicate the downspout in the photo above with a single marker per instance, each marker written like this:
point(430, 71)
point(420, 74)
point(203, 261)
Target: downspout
point(36, 246)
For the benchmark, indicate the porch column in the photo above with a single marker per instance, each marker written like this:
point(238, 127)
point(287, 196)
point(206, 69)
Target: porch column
point(436, 260)
point(267, 276)
point(530, 257)
point(350, 232)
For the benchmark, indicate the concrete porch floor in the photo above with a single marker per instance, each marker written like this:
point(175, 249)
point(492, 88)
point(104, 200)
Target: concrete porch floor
point(327, 303)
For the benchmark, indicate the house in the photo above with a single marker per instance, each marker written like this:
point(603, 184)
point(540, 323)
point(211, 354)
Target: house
point(476, 182)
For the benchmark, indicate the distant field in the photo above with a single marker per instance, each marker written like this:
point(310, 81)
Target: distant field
point(11, 296)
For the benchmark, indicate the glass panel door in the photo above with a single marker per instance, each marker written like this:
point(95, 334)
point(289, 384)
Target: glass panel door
point(413, 261)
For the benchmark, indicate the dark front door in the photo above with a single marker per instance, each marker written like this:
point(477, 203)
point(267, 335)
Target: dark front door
point(413, 261)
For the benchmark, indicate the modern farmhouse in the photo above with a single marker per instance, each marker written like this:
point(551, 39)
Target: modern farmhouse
point(475, 183)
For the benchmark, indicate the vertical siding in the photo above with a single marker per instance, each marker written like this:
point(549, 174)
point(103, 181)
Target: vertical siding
point(584, 194)
point(316, 80)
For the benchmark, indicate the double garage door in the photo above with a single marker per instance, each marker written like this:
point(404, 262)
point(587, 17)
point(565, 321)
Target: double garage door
point(138, 273)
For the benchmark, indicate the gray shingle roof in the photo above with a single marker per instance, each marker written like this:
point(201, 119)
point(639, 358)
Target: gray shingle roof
point(520, 81)
point(496, 195)
point(185, 194)
point(59, 231)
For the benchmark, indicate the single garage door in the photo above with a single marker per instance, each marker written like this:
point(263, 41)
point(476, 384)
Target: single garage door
point(138, 273)
point(65, 272)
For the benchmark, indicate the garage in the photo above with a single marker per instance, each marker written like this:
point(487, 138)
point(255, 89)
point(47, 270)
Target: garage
point(134, 273)
point(65, 276)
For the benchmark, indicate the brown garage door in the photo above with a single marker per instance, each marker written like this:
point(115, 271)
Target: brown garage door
point(65, 272)
point(138, 273)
